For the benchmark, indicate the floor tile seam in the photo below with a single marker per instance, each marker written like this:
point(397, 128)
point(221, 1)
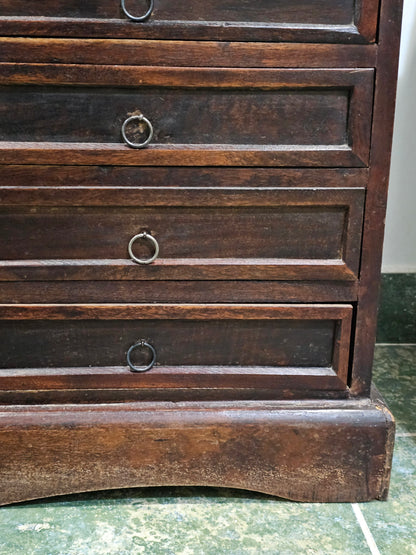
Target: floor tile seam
point(372, 546)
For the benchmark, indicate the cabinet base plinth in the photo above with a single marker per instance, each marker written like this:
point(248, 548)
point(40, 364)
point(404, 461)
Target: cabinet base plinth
point(315, 451)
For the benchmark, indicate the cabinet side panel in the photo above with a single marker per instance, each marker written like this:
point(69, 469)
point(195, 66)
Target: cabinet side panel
point(384, 100)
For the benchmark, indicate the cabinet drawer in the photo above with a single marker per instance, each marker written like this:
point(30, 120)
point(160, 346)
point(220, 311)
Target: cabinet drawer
point(302, 347)
point(290, 20)
point(273, 234)
point(199, 118)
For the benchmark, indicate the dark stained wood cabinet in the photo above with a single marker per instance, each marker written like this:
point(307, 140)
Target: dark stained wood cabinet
point(192, 207)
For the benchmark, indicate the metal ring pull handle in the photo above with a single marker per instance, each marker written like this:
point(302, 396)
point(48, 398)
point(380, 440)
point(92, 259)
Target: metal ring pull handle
point(140, 17)
point(141, 343)
point(141, 119)
point(144, 235)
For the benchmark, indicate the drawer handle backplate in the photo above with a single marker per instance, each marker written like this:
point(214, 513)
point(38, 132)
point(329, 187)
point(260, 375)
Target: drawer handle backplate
point(141, 17)
point(137, 119)
point(144, 235)
point(140, 344)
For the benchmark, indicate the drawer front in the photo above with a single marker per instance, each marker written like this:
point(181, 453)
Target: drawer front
point(297, 20)
point(184, 346)
point(253, 234)
point(220, 117)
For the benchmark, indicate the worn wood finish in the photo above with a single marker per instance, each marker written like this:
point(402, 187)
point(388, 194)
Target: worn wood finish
point(141, 291)
point(338, 12)
point(238, 392)
point(175, 269)
point(336, 105)
point(300, 234)
point(53, 114)
point(38, 185)
point(321, 451)
point(254, 353)
point(172, 311)
point(186, 53)
point(177, 155)
point(272, 142)
point(299, 20)
point(186, 77)
point(265, 346)
point(384, 101)
point(290, 193)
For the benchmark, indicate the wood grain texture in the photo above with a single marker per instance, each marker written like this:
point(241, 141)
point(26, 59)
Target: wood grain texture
point(299, 389)
point(301, 11)
point(177, 155)
point(186, 53)
point(246, 355)
point(125, 291)
point(278, 347)
point(384, 101)
point(245, 118)
point(20, 184)
point(184, 77)
point(256, 344)
point(278, 232)
point(269, 143)
point(176, 269)
point(172, 311)
point(153, 444)
point(287, 20)
point(199, 233)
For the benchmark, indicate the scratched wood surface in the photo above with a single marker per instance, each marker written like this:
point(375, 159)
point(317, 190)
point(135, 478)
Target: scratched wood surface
point(326, 451)
point(273, 125)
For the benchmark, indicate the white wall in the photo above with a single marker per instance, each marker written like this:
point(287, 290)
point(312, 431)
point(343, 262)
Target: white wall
point(400, 237)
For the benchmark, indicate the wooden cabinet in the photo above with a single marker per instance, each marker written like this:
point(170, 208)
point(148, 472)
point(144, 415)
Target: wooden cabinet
point(191, 216)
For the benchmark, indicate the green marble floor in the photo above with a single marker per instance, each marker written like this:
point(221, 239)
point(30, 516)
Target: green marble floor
point(207, 521)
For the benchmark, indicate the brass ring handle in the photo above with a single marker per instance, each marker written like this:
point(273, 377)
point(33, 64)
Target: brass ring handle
point(143, 235)
point(141, 119)
point(141, 343)
point(140, 17)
